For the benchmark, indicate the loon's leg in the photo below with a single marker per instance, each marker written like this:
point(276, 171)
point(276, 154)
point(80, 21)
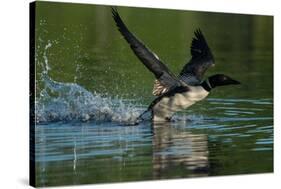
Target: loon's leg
point(140, 118)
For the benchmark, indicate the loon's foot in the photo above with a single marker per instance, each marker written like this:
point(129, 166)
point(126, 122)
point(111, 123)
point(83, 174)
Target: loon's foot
point(137, 121)
point(132, 124)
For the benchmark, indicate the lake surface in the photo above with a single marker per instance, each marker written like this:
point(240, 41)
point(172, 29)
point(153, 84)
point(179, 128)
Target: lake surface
point(90, 88)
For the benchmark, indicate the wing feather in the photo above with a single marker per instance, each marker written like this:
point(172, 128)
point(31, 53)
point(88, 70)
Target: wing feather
point(147, 57)
point(202, 58)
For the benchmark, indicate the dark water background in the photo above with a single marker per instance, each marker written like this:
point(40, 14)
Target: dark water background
point(90, 85)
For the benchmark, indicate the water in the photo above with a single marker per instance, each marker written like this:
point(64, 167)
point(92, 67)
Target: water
point(90, 89)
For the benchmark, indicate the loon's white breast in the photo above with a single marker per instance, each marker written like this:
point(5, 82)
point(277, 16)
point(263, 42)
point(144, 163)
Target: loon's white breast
point(168, 105)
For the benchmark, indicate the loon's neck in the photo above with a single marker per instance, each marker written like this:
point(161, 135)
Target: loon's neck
point(206, 85)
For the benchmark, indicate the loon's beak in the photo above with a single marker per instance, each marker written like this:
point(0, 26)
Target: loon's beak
point(233, 82)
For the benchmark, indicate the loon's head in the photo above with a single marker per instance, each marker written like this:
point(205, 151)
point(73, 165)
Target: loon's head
point(219, 80)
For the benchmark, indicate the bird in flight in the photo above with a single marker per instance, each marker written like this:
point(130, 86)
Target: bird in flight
point(176, 93)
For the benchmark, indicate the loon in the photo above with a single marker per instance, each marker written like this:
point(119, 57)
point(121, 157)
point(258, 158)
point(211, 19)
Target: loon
point(176, 93)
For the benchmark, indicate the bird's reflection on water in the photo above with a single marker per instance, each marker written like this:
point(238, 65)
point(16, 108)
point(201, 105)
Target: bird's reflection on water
point(175, 147)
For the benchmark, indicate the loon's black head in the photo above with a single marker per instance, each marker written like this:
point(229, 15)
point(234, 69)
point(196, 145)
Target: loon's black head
point(218, 80)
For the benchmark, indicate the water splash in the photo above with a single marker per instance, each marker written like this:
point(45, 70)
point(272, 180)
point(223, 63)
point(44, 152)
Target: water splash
point(69, 101)
point(60, 101)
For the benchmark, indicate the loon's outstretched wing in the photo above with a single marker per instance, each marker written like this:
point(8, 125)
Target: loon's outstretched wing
point(165, 79)
point(202, 58)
